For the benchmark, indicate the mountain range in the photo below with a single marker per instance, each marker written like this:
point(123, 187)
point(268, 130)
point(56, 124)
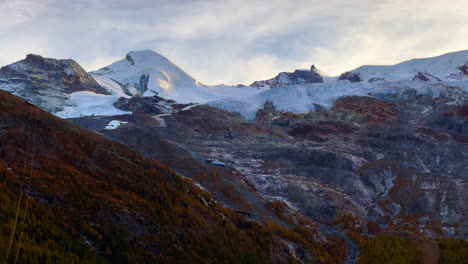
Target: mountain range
point(154, 166)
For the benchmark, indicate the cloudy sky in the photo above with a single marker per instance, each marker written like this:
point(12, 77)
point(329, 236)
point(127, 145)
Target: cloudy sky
point(235, 41)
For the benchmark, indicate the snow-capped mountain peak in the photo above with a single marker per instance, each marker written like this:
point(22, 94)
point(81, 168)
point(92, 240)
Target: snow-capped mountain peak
point(318, 71)
point(148, 58)
point(144, 73)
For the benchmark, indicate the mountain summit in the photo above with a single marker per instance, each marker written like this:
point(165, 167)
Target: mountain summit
point(290, 78)
point(146, 73)
point(47, 82)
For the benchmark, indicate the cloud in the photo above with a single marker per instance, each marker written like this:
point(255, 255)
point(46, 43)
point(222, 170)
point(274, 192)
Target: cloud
point(235, 41)
point(19, 12)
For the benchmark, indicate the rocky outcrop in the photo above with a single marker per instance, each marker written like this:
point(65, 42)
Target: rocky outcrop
point(142, 85)
point(267, 113)
point(153, 105)
point(47, 82)
point(129, 59)
point(350, 76)
point(66, 75)
point(461, 74)
point(464, 68)
point(376, 79)
point(425, 77)
point(291, 78)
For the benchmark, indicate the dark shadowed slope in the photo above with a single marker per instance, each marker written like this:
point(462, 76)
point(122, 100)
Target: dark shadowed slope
point(92, 200)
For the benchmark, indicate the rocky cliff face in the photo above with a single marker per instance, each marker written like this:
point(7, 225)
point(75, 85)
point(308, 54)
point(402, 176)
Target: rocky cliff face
point(464, 68)
point(350, 76)
point(151, 105)
point(47, 82)
point(425, 77)
point(291, 78)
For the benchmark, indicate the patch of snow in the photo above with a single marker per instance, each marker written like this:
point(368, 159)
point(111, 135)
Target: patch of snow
point(189, 107)
point(87, 103)
point(216, 162)
point(69, 70)
point(198, 185)
point(247, 108)
point(110, 85)
point(114, 124)
point(428, 186)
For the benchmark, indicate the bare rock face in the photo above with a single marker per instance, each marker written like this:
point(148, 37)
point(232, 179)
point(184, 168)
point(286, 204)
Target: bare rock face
point(376, 79)
point(153, 105)
point(350, 76)
point(47, 82)
point(367, 108)
point(464, 68)
point(267, 113)
point(425, 77)
point(291, 78)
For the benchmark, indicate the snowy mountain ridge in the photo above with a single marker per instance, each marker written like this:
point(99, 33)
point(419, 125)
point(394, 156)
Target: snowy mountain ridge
point(147, 73)
point(442, 66)
point(441, 76)
point(303, 98)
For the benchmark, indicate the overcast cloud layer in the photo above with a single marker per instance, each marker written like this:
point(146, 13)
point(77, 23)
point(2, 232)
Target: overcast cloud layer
point(236, 41)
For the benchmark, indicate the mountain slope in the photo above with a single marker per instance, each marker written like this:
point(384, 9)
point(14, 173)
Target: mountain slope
point(392, 165)
point(397, 162)
point(113, 205)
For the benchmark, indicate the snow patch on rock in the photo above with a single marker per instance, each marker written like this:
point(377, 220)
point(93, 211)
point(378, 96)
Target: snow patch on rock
point(114, 124)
